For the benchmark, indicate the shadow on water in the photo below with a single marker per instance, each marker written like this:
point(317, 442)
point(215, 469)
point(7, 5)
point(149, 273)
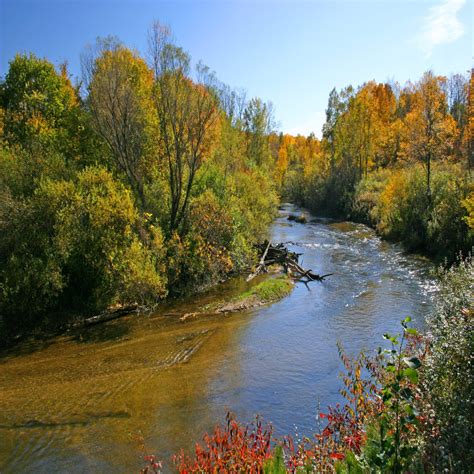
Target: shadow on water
point(107, 331)
point(28, 344)
point(110, 331)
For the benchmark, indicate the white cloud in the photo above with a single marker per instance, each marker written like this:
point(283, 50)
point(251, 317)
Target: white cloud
point(441, 26)
point(313, 124)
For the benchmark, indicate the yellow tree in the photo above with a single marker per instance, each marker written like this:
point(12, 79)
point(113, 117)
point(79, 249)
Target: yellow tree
point(429, 131)
point(470, 135)
point(281, 166)
point(120, 92)
point(372, 112)
point(38, 103)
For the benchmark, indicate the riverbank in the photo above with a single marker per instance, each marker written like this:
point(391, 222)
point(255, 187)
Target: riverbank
point(97, 222)
point(272, 289)
point(268, 289)
point(397, 205)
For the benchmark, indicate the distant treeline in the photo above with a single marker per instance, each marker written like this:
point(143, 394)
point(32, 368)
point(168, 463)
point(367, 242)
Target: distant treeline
point(397, 158)
point(143, 180)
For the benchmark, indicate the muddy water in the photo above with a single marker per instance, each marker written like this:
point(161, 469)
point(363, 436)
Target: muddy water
point(87, 402)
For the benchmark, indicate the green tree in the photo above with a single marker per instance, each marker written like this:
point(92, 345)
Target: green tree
point(187, 119)
point(40, 106)
point(258, 124)
point(73, 246)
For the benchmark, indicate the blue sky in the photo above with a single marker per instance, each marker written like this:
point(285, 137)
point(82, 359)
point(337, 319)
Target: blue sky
point(289, 52)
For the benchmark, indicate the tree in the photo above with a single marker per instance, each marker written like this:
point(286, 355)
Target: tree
point(282, 160)
point(429, 129)
point(337, 105)
point(332, 113)
point(119, 99)
point(258, 124)
point(186, 115)
point(72, 245)
point(470, 134)
point(458, 103)
point(38, 104)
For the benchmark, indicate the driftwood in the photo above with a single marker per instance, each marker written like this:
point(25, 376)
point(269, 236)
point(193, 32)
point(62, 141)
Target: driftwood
point(279, 254)
point(261, 264)
point(110, 315)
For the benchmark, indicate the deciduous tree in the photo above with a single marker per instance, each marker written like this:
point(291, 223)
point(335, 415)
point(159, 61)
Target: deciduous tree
point(187, 117)
point(119, 98)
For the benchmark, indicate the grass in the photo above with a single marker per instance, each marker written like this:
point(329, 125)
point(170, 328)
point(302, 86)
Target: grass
point(269, 290)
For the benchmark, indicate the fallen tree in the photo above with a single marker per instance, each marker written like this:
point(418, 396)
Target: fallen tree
point(278, 254)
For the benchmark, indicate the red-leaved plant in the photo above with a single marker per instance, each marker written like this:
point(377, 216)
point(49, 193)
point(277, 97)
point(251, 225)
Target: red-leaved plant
point(232, 448)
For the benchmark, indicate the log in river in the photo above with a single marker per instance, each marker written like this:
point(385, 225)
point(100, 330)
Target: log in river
point(81, 402)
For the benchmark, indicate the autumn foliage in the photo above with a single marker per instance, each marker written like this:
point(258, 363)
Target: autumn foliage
point(233, 448)
point(397, 158)
point(148, 180)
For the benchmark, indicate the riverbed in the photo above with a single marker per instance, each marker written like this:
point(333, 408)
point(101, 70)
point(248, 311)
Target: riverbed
point(96, 400)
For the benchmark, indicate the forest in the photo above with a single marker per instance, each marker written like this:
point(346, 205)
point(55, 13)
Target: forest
point(145, 180)
point(149, 178)
point(397, 158)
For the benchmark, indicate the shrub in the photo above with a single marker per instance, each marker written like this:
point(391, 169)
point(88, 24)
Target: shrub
point(232, 448)
point(402, 208)
point(468, 204)
point(397, 204)
point(208, 242)
point(367, 196)
point(448, 377)
point(73, 246)
point(448, 230)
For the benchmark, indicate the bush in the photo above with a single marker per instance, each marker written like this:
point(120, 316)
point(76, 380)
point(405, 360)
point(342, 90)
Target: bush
point(367, 196)
point(207, 244)
point(73, 246)
point(402, 209)
point(448, 378)
point(448, 230)
point(397, 204)
point(232, 448)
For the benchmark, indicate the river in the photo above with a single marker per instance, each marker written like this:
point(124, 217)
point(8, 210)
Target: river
point(87, 401)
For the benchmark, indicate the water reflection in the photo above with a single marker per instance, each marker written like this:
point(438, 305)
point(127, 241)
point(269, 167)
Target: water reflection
point(79, 403)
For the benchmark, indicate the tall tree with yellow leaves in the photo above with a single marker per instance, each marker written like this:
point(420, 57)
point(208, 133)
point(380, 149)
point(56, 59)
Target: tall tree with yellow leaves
point(429, 131)
point(120, 99)
point(187, 116)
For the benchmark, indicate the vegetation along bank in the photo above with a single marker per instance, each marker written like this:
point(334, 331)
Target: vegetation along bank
point(148, 179)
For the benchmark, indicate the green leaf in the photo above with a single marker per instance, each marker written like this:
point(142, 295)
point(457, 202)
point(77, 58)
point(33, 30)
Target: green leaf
point(412, 374)
point(386, 394)
point(406, 321)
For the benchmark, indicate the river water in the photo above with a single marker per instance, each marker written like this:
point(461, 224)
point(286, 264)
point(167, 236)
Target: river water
point(89, 401)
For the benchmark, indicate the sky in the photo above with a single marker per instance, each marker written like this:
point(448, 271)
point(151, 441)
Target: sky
point(289, 52)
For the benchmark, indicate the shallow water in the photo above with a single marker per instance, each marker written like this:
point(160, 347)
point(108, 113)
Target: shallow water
point(87, 402)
